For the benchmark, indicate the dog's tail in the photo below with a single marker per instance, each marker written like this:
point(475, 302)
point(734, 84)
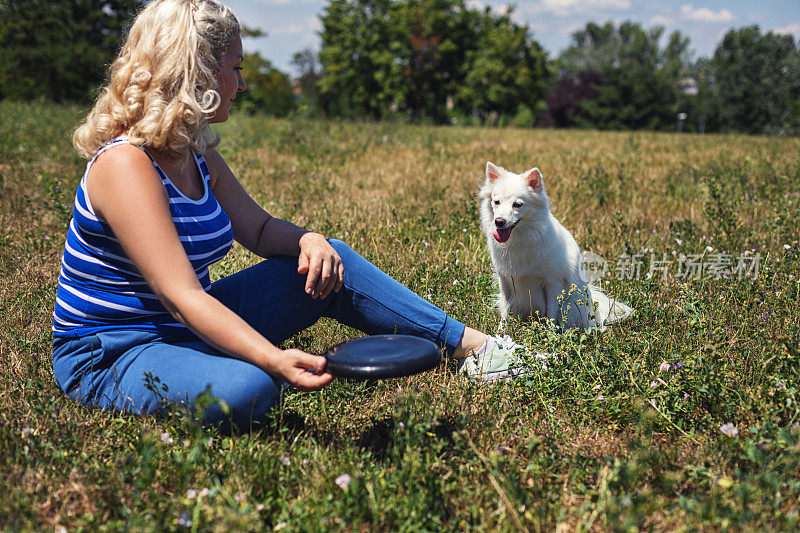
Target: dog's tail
point(608, 310)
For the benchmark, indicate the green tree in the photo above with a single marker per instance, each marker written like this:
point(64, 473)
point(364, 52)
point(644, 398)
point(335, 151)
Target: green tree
point(429, 41)
point(306, 62)
point(59, 50)
point(268, 89)
point(639, 80)
point(506, 73)
point(757, 79)
point(699, 99)
point(354, 35)
point(415, 57)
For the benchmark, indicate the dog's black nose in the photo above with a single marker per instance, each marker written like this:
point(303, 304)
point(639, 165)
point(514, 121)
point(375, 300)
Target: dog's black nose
point(499, 222)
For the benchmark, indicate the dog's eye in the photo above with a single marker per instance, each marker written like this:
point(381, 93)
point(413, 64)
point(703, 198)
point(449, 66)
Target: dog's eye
point(517, 205)
point(497, 202)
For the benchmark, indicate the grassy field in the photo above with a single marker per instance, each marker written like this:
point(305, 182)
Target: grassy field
point(610, 438)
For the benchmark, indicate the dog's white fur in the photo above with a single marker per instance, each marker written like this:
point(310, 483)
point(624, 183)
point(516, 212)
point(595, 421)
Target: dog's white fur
point(537, 262)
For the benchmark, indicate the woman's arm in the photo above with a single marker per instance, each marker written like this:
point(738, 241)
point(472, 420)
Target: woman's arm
point(135, 205)
point(265, 235)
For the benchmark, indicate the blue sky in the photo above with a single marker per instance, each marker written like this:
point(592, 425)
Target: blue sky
point(292, 25)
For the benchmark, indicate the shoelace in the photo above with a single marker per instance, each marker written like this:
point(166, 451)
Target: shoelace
point(506, 342)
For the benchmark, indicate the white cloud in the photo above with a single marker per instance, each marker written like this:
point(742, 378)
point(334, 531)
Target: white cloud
point(661, 20)
point(284, 2)
point(704, 14)
point(564, 8)
point(789, 29)
point(292, 29)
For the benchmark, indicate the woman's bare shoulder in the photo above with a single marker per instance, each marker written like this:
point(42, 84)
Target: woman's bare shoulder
point(121, 173)
point(122, 159)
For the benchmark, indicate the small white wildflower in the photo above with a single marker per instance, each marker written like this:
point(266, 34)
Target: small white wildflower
point(343, 481)
point(185, 520)
point(204, 492)
point(166, 438)
point(709, 249)
point(596, 387)
point(787, 247)
point(285, 461)
point(728, 429)
point(600, 398)
point(279, 526)
point(653, 403)
point(260, 507)
point(191, 494)
point(679, 241)
point(426, 243)
point(241, 497)
point(455, 282)
point(653, 384)
point(27, 432)
point(664, 367)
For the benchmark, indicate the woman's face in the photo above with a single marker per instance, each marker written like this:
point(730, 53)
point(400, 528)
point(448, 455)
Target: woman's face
point(229, 79)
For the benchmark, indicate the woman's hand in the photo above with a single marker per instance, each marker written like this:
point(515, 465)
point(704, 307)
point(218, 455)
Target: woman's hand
point(296, 366)
point(323, 265)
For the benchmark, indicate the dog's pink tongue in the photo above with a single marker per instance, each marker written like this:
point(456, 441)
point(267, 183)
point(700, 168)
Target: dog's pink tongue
point(502, 234)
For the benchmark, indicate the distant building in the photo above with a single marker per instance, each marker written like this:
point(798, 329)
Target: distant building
point(688, 86)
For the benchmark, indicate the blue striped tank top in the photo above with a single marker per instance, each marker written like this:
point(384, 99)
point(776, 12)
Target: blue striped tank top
point(100, 289)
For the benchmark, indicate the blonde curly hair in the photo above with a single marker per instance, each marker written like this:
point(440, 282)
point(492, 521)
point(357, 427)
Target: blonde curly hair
point(162, 86)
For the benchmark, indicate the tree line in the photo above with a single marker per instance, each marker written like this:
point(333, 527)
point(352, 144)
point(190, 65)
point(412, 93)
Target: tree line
point(442, 61)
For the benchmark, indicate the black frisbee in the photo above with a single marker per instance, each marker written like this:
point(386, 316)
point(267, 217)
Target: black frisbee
point(381, 356)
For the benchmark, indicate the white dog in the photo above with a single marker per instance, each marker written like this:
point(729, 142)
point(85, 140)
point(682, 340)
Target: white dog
point(536, 260)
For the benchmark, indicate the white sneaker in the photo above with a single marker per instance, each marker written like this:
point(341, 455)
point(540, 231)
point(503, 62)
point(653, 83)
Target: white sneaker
point(499, 358)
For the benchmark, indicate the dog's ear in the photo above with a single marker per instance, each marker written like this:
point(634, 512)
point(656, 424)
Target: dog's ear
point(492, 171)
point(534, 179)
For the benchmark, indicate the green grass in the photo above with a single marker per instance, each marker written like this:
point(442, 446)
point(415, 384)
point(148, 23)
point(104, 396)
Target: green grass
point(595, 443)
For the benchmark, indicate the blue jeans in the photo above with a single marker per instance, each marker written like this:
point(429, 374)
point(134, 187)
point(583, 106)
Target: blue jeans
point(110, 369)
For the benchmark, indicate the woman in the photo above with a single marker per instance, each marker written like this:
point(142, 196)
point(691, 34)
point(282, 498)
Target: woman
point(158, 204)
